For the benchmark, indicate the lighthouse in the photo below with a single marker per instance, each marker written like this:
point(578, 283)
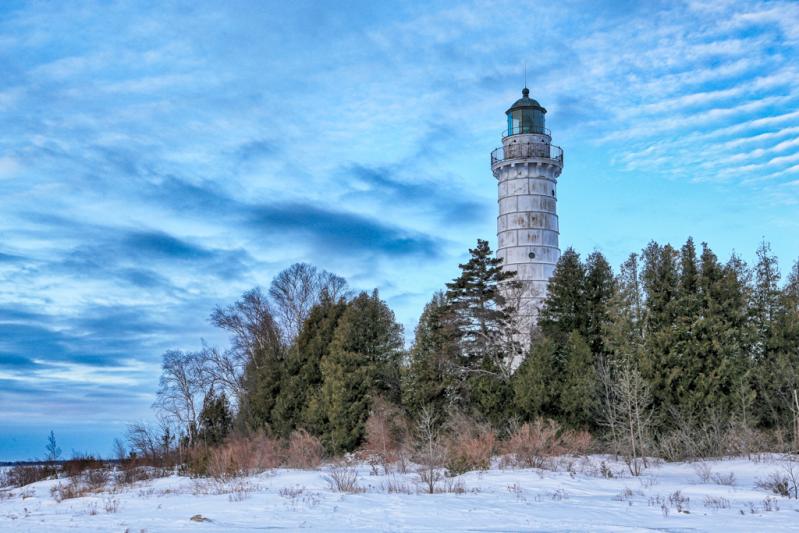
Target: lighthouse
point(527, 167)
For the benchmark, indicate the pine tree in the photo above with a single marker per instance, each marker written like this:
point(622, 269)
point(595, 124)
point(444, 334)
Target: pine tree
point(428, 381)
point(363, 363)
point(487, 342)
point(564, 310)
point(623, 334)
point(479, 306)
point(53, 451)
point(765, 299)
point(263, 380)
point(599, 289)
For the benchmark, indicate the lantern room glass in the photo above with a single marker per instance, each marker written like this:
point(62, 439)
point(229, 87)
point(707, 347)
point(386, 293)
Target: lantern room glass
point(525, 121)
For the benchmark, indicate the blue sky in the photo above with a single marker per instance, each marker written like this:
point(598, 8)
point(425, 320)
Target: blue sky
point(158, 159)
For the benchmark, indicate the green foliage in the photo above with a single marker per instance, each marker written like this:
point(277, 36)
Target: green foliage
point(363, 362)
point(478, 304)
point(294, 407)
point(263, 382)
point(565, 310)
point(714, 345)
point(578, 396)
point(599, 287)
point(215, 420)
point(536, 382)
point(429, 379)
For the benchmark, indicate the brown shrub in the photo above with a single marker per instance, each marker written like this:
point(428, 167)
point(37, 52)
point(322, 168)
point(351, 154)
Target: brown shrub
point(469, 446)
point(21, 475)
point(79, 464)
point(534, 444)
point(67, 491)
point(387, 430)
point(131, 471)
point(343, 477)
point(576, 442)
point(97, 478)
point(304, 450)
point(265, 452)
point(240, 456)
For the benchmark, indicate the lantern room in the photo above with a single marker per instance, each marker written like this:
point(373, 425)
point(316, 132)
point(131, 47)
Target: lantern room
point(526, 116)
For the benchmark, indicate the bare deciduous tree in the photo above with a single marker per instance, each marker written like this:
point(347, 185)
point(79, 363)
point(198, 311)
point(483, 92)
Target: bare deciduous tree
point(224, 370)
point(143, 440)
point(251, 322)
point(181, 389)
point(295, 290)
point(120, 451)
point(628, 412)
point(429, 448)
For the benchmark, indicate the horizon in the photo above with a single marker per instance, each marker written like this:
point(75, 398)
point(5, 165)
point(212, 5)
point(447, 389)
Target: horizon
point(156, 165)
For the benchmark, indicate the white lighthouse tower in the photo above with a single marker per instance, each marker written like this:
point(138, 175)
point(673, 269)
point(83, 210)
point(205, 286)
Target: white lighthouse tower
point(527, 167)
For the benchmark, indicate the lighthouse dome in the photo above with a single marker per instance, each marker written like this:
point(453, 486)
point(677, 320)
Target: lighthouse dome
point(526, 115)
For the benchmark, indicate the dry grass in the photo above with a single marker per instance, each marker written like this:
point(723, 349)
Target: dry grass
point(717, 502)
point(396, 486)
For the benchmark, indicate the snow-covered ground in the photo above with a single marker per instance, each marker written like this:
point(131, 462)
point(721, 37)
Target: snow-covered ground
point(667, 497)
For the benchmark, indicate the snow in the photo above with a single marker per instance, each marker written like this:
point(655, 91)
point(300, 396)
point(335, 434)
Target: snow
point(576, 497)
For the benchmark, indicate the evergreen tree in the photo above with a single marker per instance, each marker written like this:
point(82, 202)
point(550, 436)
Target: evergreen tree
point(487, 342)
point(765, 300)
point(599, 289)
point(263, 380)
point(661, 366)
point(363, 362)
point(258, 339)
point(429, 379)
point(778, 371)
point(480, 309)
point(215, 419)
point(623, 334)
point(297, 404)
point(564, 310)
point(578, 396)
point(536, 382)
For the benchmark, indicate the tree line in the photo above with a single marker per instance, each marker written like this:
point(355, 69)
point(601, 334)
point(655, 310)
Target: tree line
point(676, 354)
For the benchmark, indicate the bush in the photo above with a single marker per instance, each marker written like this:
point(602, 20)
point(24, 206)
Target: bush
point(386, 441)
point(470, 446)
point(79, 464)
point(238, 456)
point(533, 444)
point(343, 478)
point(67, 491)
point(304, 450)
point(130, 471)
point(21, 475)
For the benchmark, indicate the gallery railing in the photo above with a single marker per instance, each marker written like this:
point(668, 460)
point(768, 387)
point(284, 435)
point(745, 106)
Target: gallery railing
point(527, 150)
